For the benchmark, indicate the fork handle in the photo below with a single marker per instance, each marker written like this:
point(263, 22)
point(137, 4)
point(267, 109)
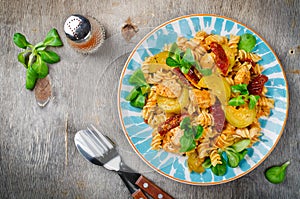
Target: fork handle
point(128, 179)
point(152, 189)
point(139, 195)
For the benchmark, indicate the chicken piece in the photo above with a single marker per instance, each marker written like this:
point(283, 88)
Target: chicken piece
point(172, 143)
point(242, 76)
point(169, 89)
point(202, 98)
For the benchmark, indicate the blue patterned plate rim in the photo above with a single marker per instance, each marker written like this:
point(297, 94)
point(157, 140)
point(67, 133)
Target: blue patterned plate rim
point(175, 167)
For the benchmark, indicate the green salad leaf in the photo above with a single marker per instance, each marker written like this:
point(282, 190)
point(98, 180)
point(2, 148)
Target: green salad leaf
point(52, 38)
point(240, 88)
point(184, 60)
point(207, 163)
point(241, 145)
point(276, 174)
point(20, 41)
point(38, 56)
point(137, 78)
point(49, 56)
point(243, 97)
point(137, 95)
point(191, 134)
point(220, 169)
point(247, 42)
point(253, 99)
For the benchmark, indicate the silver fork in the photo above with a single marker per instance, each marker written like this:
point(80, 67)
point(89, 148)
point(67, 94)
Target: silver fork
point(100, 150)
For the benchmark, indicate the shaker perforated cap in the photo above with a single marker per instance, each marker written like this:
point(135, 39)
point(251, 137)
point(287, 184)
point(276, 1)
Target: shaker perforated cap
point(77, 27)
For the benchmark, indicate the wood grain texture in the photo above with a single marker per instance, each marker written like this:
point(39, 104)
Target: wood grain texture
point(38, 158)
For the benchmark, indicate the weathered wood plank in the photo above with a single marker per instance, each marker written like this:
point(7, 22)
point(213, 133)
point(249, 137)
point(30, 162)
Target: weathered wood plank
point(38, 158)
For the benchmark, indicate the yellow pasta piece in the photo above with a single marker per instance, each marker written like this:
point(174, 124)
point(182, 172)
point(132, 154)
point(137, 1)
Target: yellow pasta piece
point(233, 43)
point(243, 55)
point(156, 143)
point(215, 157)
point(242, 76)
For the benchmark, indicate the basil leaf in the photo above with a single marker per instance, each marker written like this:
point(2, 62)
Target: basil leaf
point(199, 131)
point(188, 56)
point(49, 56)
point(144, 89)
point(276, 174)
point(242, 154)
point(177, 54)
point(173, 48)
point(241, 145)
point(40, 67)
point(20, 40)
point(139, 101)
point(52, 38)
point(253, 100)
point(237, 101)
point(132, 95)
point(21, 59)
point(185, 124)
point(220, 169)
point(247, 42)
point(31, 77)
point(138, 78)
point(207, 163)
point(233, 159)
point(189, 132)
point(171, 62)
point(240, 88)
point(187, 144)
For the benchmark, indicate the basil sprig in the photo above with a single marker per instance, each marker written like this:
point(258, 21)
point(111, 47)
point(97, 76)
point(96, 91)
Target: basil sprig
point(184, 60)
point(235, 154)
point(243, 96)
point(35, 57)
point(190, 136)
point(137, 95)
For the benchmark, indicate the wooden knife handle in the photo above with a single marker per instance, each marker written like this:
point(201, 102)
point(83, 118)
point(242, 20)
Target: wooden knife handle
point(139, 195)
point(152, 189)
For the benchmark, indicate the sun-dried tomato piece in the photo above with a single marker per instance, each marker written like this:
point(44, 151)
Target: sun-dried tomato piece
point(181, 76)
point(256, 85)
point(221, 57)
point(192, 77)
point(219, 116)
point(170, 123)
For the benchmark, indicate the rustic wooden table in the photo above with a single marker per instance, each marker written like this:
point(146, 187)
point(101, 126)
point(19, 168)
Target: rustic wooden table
point(38, 158)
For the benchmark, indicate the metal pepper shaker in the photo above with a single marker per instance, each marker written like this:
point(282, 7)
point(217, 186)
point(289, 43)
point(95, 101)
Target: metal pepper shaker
point(85, 34)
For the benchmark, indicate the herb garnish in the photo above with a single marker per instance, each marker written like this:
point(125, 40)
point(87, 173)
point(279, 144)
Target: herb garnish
point(35, 58)
point(184, 60)
point(276, 174)
point(243, 97)
point(247, 42)
point(191, 134)
point(235, 154)
point(220, 169)
point(137, 95)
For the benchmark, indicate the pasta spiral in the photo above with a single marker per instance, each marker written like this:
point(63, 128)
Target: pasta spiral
point(243, 55)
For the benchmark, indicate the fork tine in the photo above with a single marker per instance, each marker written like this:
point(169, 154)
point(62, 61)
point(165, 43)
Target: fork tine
point(94, 149)
point(102, 138)
point(96, 140)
